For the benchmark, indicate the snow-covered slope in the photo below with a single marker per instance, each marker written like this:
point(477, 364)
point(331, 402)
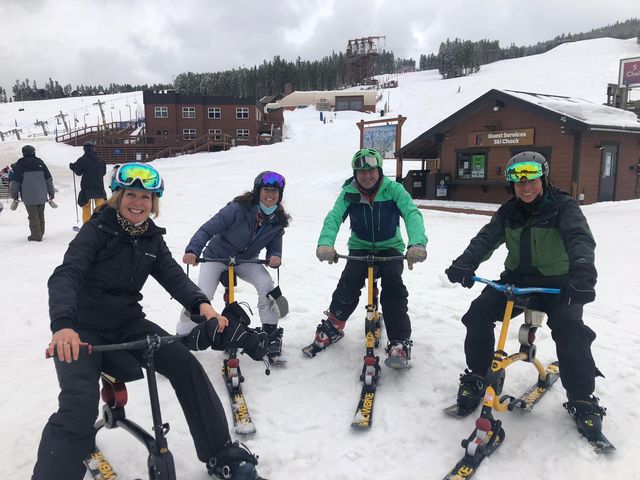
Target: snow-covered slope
point(303, 412)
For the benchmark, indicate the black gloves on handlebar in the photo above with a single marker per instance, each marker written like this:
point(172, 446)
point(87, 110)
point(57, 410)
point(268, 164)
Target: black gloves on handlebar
point(459, 273)
point(235, 335)
point(580, 289)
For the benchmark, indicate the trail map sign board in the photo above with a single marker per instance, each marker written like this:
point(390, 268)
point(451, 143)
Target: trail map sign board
point(383, 135)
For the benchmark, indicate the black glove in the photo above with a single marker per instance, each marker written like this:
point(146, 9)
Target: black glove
point(71, 166)
point(581, 286)
point(461, 275)
point(576, 294)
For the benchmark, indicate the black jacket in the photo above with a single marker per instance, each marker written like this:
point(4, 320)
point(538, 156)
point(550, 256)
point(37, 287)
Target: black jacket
point(104, 269)
point(92, 169)
point(549, 242)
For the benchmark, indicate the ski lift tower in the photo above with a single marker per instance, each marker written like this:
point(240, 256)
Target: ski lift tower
point(361, 58)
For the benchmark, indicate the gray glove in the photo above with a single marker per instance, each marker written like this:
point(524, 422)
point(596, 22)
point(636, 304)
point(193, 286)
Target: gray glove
point(326, 254)
point(53, 204)
point(14, 205)
point(416, 254)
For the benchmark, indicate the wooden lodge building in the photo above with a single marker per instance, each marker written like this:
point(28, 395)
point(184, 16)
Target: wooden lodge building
point(177, 124)
point(593, 150)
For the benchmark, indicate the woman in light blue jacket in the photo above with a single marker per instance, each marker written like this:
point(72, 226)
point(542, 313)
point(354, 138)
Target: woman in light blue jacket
point(242, 229)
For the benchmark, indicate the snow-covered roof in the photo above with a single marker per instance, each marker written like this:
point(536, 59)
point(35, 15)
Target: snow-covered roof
point(581, 110)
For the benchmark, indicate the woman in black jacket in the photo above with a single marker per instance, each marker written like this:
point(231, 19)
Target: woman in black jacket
point(92, 170)
point(94, 297)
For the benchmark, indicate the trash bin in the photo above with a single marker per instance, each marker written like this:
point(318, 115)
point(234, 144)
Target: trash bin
point(416, 183)
point(437, 187)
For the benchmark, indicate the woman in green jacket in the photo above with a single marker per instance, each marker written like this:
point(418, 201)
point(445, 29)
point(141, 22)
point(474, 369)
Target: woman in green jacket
point(374, 205)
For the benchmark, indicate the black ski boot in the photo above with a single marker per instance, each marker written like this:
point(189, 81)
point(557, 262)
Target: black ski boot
point(588, 416)
point(274, 350)
point(398, 354)
point(234, 461)
point(471, 391)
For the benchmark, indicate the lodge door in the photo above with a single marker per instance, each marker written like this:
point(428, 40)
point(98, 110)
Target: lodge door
point(608, 168)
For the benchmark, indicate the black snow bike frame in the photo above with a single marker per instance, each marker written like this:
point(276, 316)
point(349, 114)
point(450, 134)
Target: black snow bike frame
point(488, 429)
point(160, 462)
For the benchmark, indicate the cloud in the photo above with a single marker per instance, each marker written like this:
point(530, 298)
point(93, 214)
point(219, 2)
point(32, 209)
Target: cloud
point(151, 41)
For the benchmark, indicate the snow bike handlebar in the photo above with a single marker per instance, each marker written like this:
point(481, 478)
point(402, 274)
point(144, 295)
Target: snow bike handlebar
point(370, 258)
point(232, 260)
point(513, 290)
point(151, 342)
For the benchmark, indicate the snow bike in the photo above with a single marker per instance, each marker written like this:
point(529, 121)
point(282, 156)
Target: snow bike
point(233, 378)
point(119, 366)
point(488, 434)
point(370, 374)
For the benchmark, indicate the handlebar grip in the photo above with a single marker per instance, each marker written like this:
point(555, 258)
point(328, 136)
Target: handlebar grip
point(85, 349)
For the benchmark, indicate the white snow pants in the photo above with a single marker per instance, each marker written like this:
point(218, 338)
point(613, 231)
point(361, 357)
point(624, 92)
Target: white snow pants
point(253, 273)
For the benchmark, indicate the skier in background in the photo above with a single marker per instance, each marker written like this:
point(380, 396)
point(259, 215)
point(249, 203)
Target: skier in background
point(32, 181)
point(92, 169)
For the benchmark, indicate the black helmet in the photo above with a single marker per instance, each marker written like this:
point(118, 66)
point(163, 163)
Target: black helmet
point(89, 146)
point(28, 150)
point(268, 179)
point(528, 157)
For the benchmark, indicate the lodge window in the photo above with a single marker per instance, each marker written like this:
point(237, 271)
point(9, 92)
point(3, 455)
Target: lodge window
point(471, 166)
point(242, 134)
point(242, 112)
point(215, 134)
point(215, 112)
point(188, 112)
point(189, 133)
point(161, 112)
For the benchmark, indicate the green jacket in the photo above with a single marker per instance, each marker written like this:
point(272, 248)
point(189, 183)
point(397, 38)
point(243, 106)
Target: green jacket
point(374, 227)
point(547, 241)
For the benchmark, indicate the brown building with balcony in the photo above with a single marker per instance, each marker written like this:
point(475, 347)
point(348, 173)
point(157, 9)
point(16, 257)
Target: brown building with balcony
point(593, 150)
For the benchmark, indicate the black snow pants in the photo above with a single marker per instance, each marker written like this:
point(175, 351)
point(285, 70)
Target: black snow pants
point(69, 435)
point(572, 337)
point(393, 295)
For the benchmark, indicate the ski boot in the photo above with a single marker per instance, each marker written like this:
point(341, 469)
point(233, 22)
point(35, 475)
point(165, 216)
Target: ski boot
point(588, 416)
point(470, 393)
point(328, 332)
point(274, 350)
point(398, 354)
point(234, 461)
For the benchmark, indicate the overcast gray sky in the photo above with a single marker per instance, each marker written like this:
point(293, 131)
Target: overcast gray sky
point(148, 41)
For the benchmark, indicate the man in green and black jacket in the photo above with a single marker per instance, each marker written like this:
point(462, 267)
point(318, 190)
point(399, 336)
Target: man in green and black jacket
point(374, 205)
point(549, 244)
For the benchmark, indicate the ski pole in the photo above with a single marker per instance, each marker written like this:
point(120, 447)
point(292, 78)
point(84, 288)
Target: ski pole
point(75, 195)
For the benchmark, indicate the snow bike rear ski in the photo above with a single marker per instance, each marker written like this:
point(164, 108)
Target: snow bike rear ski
point(370, 374)
point(119, 366)
point(488, 433)
point(231, 373)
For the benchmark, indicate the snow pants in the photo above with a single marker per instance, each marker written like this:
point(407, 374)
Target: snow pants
point(393, 295)
point(89, 207)
point(253, 273)
point(572, 337)
point(36, 221)
point(69, 434)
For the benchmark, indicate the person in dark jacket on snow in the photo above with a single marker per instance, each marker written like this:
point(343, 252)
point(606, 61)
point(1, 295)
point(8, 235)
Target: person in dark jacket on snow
point(32, 181)
point(92, 170)
point(243, 228)
point(549, 244)
point(94, 297)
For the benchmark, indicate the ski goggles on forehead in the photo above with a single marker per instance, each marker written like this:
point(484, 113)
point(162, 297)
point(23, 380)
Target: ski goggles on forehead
point(128, 174)
point(361, 163)
point(528, 170)
point(273, 179)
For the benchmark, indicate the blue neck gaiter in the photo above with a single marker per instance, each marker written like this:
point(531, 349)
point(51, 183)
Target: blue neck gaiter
point(268, 210)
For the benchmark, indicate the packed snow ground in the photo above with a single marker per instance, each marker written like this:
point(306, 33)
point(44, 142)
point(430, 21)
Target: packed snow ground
point(302, 412)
